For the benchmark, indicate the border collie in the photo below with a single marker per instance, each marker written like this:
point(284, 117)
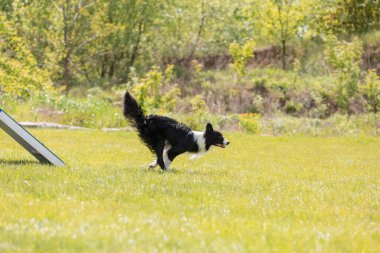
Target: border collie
point(166, 137)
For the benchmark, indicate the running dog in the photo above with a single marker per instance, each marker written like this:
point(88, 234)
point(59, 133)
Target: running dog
point(166, 137)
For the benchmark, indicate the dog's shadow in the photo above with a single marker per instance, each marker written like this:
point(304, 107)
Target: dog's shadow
point(173, 171)
point(18, 162)
point(159, 171)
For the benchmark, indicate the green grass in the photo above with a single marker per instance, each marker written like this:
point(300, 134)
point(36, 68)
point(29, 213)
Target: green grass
point(260, 194)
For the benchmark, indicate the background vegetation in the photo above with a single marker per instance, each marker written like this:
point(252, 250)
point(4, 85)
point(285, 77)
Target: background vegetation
point(70, 60)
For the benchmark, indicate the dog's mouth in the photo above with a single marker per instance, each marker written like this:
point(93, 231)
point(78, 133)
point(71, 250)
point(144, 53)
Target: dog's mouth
point(220, 145)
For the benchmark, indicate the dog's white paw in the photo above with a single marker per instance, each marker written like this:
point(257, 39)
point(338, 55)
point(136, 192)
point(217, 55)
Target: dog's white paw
point(153, 164)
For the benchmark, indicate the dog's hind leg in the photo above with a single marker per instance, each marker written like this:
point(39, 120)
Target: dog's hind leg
point(153, 164)
point(159, 150)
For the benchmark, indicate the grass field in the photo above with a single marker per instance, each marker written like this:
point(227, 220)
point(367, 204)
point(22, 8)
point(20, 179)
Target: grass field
point(260, 194)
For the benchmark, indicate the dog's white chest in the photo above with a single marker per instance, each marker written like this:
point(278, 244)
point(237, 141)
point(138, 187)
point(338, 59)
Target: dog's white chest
point(201, 142)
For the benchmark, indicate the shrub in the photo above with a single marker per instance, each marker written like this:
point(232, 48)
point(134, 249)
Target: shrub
point(319, 109)
point(153, 92)
point(371, 90)
point(241, 54)
point(292, 107)
point(199, 112)
point(249, 122)
point(257, 104)
point(344, 58)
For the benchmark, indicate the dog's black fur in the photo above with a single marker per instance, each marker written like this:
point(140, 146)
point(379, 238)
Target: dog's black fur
point(166, 137)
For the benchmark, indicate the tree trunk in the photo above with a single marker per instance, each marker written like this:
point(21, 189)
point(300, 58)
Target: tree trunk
point(283, 54)
point(66, 72)
point(66, 59)
point(200, 30)
point(136, 47)
point(103, 68)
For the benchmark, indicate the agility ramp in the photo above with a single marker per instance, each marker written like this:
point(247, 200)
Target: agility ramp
point(28, 141)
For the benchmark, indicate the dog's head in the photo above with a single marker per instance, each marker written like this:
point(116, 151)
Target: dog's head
point(214, 137)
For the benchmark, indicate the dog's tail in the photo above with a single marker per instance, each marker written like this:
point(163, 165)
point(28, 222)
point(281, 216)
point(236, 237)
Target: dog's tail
point(133, 112)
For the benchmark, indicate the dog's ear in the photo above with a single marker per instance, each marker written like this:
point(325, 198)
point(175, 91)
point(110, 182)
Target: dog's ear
point(209, 128)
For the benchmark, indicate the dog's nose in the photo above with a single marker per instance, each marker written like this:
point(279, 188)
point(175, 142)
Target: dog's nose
point(227, 142)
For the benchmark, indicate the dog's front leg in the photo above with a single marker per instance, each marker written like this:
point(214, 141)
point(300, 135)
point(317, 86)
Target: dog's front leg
point(166, 159)
point(171, 153)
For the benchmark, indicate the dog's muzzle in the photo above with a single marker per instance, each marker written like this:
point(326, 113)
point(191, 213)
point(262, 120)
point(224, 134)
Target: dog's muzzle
point(225, 143)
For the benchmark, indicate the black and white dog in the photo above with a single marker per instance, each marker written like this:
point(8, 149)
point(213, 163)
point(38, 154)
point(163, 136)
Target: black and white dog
point(166, 137)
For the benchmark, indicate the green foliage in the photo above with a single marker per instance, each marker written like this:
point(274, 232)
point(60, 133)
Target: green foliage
point(278, 79)
point(293, 107)
point(88, 42)
point(371, 90)
point(335, 125)
point(282, 18)
point(92, 112)
point(278, 21)
point(241, 54)
point(61, 32)
point(344, 58)
point(199, 113)
point(114, 45)
point(249, 122)
point(320, 109)
point(19, 72)
point(188, 28)
point(150, 93)
point(279, 91)
point(198, 104)
point(348, 17)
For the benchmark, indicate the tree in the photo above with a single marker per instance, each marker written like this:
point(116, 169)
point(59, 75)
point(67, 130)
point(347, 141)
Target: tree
point(19, 73)
point(129, 24)
point(96, 42)
point(187, 29)
point(86, 41)
point(279, 21)
point(59, 34)
point(74, 30)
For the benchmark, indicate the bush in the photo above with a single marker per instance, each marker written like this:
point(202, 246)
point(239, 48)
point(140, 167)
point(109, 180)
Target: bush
point(153, 91)
point(241, 54)
point(319, 108)
point(249, 122)
point(344, 58)
point(292, 107)
point(371, 90)
point(336, 125)
point(199, 116)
